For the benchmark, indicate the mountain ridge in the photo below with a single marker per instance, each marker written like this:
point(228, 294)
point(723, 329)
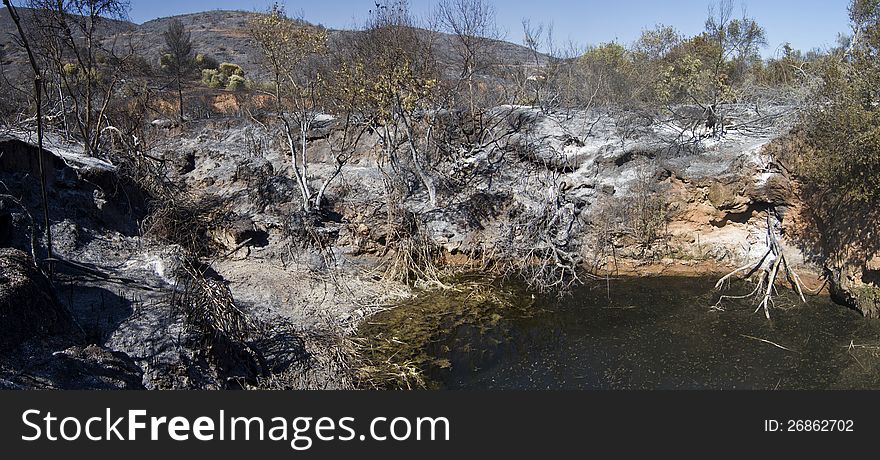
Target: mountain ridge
point(223, 35)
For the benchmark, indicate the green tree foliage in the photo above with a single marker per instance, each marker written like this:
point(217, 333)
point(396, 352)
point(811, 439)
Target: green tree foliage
point(707, 68)
point(293, 52)
point(235, 83)
point(662, 67)
point(864, 16)
point(394, 64)
point(610, 67)
point(688, 74)
point(737, 42)
point(845, 121)
point(394, 67)
point(655, 44)
point(790, 68)
point(229, 69)
point(287, 44)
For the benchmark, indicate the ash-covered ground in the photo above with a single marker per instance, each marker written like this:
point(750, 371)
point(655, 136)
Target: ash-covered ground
point(222, 282)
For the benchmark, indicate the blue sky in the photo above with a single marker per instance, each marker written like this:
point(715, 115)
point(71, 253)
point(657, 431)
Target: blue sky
point(806, 24)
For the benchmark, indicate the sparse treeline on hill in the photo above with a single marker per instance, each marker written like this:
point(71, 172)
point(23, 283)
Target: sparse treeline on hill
point(86, 49)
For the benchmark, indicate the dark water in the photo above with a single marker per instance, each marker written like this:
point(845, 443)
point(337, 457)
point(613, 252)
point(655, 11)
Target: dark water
point(650, 333)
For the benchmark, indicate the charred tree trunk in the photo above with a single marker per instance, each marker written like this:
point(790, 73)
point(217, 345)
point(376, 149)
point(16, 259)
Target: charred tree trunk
point(38, 90)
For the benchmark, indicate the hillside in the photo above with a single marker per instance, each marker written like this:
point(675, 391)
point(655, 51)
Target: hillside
point(13, 57)
point(224, 36)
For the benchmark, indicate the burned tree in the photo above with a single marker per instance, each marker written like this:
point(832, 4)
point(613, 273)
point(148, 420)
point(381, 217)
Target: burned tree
point(178, 59)
point(286, 43)
point(396, 68)
point(291, 51)
point(474, 31)
point(38, 102)
point(71, 38)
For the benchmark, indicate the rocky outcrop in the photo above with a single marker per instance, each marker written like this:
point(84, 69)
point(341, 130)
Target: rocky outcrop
point(28, 308)
point(181, 162)
point(82, 368)
point(858, 286)
point(239, 232)
point(34, 324)
point(638, 186)
point(21, 157)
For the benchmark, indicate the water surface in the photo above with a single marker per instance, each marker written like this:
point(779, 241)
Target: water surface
point(646, 333)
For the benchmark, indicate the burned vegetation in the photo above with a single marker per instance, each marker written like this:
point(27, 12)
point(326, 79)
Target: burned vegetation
point(188, 208)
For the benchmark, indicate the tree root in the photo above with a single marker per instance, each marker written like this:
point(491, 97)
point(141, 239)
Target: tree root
point(769, 267)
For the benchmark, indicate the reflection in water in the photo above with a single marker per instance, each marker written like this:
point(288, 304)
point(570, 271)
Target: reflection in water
point(647, 333)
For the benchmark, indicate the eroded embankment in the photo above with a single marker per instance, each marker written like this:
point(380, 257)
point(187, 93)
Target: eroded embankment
point(588, 192)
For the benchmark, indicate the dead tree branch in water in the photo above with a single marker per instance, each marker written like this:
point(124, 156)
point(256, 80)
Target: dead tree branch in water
point(768, 342)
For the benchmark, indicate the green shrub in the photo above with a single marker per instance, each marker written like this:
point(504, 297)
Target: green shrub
point(213, 78)
point(70, 69)
point(264, 87)
point(839, 170)
point(229, 69)
point(235, 83)
point(225, 75)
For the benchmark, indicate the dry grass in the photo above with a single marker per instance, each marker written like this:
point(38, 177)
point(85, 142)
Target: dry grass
point(413, 259)
point(208, 306)
point(187, 220)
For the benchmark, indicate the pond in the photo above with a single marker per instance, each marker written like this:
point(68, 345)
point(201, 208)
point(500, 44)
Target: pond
point(637, 333)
